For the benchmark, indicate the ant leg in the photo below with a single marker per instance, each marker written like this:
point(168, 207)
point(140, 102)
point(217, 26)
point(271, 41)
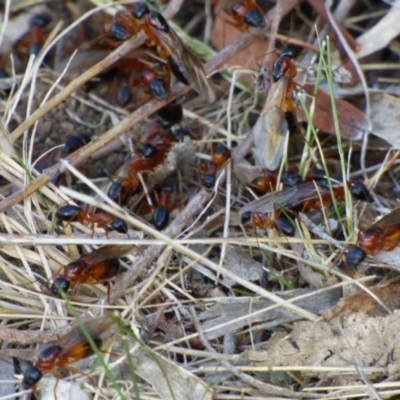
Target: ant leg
point(108, 292)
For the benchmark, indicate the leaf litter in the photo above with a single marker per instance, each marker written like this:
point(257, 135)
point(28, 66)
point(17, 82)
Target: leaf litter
point(222, 314)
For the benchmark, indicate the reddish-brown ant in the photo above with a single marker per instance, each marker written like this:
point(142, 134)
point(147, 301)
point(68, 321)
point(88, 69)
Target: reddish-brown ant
point(208, 172)
point(33, 42)
point(249, 13)
point(383, 235)
point(96, 267)
point(262, 221)
point(148, 157)
point(161, 213)
point(186, 67)
point(278, 115)
point(306, 196)
point(71, 213)
point(142, 73)
point(69, 349)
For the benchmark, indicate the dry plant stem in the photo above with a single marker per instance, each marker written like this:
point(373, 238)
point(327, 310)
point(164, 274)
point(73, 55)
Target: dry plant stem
point(319, 231)
point(343, 9)
point(18, 336)
point(373, 180)
point(82, 155)
point(264, 388)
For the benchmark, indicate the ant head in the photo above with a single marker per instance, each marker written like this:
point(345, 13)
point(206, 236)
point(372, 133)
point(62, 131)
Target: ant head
point(118, 32)
point(76, 142)
point(140, 10)
point(354, 256)
point(68, 213)
point(158, 22)
point(116, 191)
point(255, 19)
point(59, 284)
point(246, 217)
point(148, 150)
point(39, 19)
point(160, 217)
point(31, 377)
point(291, 178)
point(124, 96)
point(360, 192)
point(119, 225)
point(288, 52)
point(170, 114)
point(209, 181)
point(166, 188)
point(179, 133)
point(285, 226)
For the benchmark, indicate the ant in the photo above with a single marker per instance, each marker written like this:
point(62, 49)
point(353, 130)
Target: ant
point(161, 213)
point(186, 67)
point(208, 172)
point(70, 213)
point(169, 115)
point(151, 79)
point(278, 115)
point(76, 142)
point(383, 235)
point(36, 36)
point(145, 75)
point(148, 157)
point(96, 267)
point(71, 145)
point(69, 349)
point(262, 221)
point(306, 196)
point(267, 183)
point(249, 13)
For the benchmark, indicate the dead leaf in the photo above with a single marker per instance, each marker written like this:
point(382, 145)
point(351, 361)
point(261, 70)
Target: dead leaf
point(385, 117)
point(354, 339)
point(362, 302)
point(224, 33)
point(353, 122)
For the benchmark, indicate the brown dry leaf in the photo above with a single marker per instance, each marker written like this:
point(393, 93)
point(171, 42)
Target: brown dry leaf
point(385, 117)
point(184, 385)
point(344, 342)
point(224, 33)
point(352, 121)
point(363, 302)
